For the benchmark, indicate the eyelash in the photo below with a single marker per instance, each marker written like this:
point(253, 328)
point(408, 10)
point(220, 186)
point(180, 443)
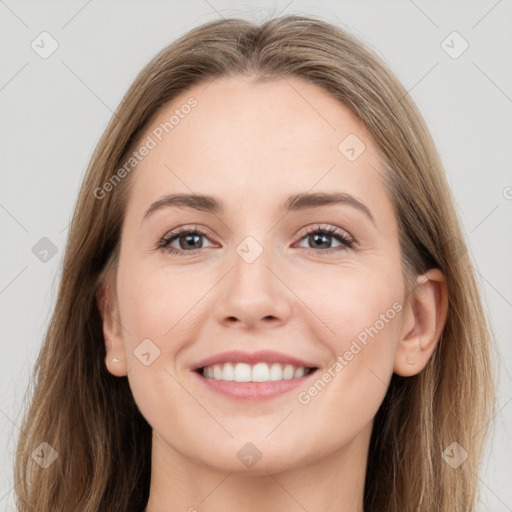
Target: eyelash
point(346, 241)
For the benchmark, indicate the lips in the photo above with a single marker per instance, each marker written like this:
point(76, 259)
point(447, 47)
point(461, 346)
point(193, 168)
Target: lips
point(261, 375)
point(252, 358)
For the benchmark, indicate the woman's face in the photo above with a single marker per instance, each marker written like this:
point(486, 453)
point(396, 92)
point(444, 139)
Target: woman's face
point(263, 276)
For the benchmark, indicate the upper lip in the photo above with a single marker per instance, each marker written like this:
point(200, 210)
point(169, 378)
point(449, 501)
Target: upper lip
point(265, 356)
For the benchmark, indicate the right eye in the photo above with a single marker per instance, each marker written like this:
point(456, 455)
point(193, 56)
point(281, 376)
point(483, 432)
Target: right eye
point(186, 238)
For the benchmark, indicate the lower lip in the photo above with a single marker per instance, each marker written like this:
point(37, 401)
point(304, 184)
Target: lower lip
point(252, 390)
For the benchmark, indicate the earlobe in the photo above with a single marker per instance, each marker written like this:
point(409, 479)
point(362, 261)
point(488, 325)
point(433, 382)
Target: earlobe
point(112, 333)
point(424, 320)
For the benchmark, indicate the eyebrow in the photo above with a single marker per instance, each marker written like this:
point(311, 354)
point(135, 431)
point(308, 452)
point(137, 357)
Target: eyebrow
point(297, 202)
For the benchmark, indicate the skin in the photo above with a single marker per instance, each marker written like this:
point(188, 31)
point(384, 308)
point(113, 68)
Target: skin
point(252, 145)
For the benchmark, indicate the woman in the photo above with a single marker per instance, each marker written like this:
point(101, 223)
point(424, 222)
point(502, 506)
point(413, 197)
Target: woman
point(204, 353)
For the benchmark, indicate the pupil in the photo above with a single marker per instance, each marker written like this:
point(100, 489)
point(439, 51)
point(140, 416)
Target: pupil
point(191, 239)
point(318, 237)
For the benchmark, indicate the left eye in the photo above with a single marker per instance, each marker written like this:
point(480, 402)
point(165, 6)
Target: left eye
point(190, 240)
point(323, 238)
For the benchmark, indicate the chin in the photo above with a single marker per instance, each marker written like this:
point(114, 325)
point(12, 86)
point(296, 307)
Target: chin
point(253, 458)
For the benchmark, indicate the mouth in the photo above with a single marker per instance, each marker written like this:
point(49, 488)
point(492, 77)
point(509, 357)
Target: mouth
point(259, 372)
point(253, 376)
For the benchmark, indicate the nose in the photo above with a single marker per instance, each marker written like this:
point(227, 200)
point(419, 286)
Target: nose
point(253, 295)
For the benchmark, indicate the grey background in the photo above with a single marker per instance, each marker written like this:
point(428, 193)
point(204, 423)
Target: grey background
point(54, 111)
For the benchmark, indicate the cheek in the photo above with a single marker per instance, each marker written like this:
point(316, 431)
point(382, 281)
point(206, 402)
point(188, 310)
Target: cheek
point(155, 312)
point(355, 307)
point(153, 302)
point(363, 312)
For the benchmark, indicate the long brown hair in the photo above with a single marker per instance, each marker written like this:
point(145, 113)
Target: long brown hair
point(89, 417)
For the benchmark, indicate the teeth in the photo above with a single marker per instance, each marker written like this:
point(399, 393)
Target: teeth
point(260, 372)
point(228, 372)
point(242, 372)
point(276, 372)
point(288, 372)
point(299, 372)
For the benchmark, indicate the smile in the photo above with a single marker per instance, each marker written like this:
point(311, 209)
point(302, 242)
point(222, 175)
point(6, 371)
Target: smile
point(260, 372)
point(260, 375)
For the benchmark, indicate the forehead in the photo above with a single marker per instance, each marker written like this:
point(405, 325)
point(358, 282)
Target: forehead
point(242, 139)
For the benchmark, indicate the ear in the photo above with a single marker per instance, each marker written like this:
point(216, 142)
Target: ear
point(424, 318)
point(112, 330)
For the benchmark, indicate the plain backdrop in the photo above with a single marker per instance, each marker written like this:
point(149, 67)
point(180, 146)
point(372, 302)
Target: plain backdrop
point(55, 107)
